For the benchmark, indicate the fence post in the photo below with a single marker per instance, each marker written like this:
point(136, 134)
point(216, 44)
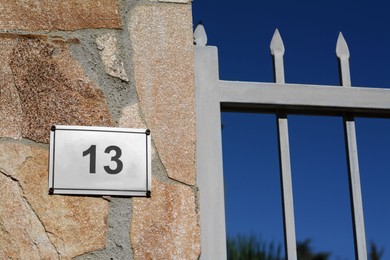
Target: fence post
point(209, 149)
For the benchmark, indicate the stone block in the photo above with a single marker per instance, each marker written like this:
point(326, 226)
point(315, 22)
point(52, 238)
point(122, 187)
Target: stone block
point(166, 226)
point(10, 108)
point(38, 225)
point(22, 235)
point(131, 118)
point(52, 89)
point(31, 15)
point(109, 53)
point(162, 42)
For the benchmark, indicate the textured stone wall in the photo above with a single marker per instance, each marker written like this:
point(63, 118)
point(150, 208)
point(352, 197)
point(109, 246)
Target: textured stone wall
point(101, 63)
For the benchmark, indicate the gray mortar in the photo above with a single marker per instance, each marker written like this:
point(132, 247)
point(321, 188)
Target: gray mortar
point(118, 233)
point(118, 244)
point(118, 93)
point(24, 141)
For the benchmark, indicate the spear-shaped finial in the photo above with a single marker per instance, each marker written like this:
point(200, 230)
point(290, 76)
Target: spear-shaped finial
point(342, 47)
point(277, 45)
point(342, 53)
point(200, 36)
point(277, 50)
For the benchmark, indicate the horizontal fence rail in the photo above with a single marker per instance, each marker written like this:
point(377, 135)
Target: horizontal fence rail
point(305, 99)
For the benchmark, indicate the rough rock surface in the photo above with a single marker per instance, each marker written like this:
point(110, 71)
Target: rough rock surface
point(10, 108)
point(24, 236)
point(166, 226)
point(43, 226)
point(52, 89)
point(164, 78)
point(131, 118)
point(108, 48)
point(59, 15)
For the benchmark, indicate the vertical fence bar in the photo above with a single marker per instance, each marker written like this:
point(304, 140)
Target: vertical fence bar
point(352, 156)
point(277, 51)
point(209, 149)
point(287, 194)
point(354, 180)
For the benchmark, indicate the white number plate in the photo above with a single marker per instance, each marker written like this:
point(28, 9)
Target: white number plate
point(99, 161)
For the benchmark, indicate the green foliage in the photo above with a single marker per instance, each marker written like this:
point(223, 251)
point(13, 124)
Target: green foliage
point(306, 252)
point(252, 248)
point(374, 253)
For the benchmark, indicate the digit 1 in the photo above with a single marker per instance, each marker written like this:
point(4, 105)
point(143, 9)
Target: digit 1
point(92, 160)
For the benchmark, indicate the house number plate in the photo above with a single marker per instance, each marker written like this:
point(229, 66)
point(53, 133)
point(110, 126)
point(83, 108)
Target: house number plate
point(99, 161)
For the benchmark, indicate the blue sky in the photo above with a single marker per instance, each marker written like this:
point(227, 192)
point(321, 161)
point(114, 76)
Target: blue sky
point(242, 31)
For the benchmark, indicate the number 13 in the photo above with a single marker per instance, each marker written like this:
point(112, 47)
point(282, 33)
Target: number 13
point(92, 159)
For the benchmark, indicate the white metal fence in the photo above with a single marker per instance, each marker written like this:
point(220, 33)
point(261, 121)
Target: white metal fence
point(282, 99)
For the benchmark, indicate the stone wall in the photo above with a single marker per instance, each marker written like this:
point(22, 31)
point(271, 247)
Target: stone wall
point(99, 63)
